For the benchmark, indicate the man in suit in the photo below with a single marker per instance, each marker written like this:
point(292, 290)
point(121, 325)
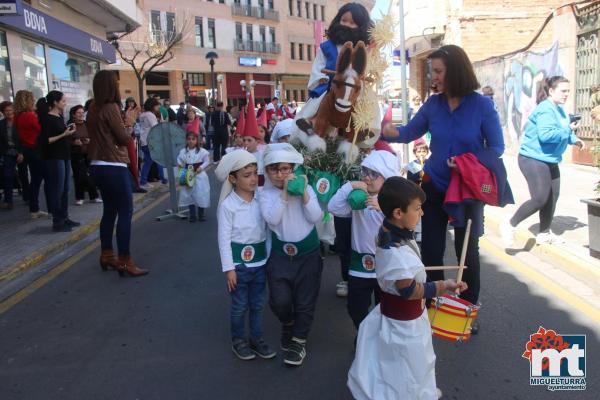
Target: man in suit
point(218, 122)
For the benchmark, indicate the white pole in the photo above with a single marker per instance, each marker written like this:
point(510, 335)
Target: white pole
point(403, 76)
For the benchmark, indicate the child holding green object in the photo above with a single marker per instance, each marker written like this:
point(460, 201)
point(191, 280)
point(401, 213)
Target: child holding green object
point(360, 199)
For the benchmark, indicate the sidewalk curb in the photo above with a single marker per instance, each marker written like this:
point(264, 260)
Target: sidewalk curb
point(557, 253)
point(37, 257)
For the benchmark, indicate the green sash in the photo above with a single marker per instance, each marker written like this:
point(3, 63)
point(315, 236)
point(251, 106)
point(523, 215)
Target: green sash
point(248, 253)
point(362, 262)
point(296, 249)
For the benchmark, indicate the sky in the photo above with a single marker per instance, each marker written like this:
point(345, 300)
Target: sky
point(380, 6)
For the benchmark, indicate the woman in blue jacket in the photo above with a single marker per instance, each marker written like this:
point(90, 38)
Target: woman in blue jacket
point(547, 133)
point(460, 121)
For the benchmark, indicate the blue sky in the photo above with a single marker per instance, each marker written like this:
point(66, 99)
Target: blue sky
point(380, 5)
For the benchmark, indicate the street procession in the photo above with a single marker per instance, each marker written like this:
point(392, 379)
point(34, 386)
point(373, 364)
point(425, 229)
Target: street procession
point(302, 200)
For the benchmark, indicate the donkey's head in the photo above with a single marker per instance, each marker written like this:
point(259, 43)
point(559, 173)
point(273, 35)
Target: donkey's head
point(350, 69)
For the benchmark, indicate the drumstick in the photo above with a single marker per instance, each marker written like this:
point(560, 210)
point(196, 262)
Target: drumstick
point(443, 268)
point(463, 254)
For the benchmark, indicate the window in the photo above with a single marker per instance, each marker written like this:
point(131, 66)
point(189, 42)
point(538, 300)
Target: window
point(238, 32)
point(296, 98)
point(199, 33)
point(262, 34)
point(170, 25)
point(270, 4)
point(315, 12)
point(323, 13)
point(272, 34)
point(5, 78)
point(261, 3)
point(302, 95)
point(309, 54)
point(287, 94)
point(155, 20)
point(291, 6)
point(71, 75)
point(212, 40)
point(195, 78)
point(34, 63)
point(157, 78)
point(300, 51)
point(221, 1)
point(249, 33)
point(298, 8)
point(293, 51)
point(307, 8)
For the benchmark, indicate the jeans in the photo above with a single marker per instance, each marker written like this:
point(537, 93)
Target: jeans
point(115, 186)
point(146, 167)
point(57, 180)
point(81, 177)
point(433, 244)
point(36, 169)
point(543, 180)
point(360, 292)
point(249, 295)
point(343, 243)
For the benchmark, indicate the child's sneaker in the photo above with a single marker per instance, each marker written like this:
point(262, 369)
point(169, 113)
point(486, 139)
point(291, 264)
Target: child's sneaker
point(296, 352)
point(261, 349)
point(341, 289)
point(507, 234)
point(286, 336)
point(241, 350)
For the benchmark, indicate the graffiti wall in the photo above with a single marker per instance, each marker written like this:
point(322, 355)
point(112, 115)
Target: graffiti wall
point(515, 82)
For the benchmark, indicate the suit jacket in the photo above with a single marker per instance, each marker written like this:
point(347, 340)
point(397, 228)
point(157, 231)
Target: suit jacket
point(4, 148)
point(219, 120)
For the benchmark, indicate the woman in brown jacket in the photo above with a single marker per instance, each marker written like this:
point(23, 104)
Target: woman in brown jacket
point(108, 152)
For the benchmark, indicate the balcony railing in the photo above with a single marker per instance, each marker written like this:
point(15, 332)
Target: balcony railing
point(256, 12)
point(257, 47)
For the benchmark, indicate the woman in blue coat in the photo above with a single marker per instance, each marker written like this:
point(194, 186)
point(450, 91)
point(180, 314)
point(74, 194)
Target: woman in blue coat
point(548, 132)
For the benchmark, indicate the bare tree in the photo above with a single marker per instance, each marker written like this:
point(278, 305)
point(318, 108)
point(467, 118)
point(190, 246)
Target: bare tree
point(146, 48)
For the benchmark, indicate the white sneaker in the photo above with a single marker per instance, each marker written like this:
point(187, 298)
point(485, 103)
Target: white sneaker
point(39, 214)
point(507, 234)
point(97, 200)
point(79, 202)
point(341, 289)
point(147, 186)
point(557, 239)
point(543, 238)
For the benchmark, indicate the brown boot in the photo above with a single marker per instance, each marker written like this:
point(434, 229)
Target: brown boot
point(108, 260)
point(127, 265)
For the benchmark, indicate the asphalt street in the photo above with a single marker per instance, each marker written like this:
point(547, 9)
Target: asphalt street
point(89, 334)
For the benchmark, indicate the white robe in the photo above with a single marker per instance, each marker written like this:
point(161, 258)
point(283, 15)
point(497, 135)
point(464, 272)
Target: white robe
point(199, 194)
point(394, 359)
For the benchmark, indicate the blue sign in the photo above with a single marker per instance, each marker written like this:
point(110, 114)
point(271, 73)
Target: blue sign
point(396, 57)
point(251, 61)
point(11, 7)
point(38, 24)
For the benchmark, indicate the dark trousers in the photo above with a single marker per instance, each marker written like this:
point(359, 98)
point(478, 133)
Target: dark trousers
point(36, 169)
point(220, 144)
point(433, 240)
point(81, 177)
point(293, 289)
point(57, 180)
point(195, 211)
point(248, 296)
point(115, 186)
point(8, 174)
point(210, 138)
point(543, 180)
point(360, 293)
point(146, 167)
point(343, 243)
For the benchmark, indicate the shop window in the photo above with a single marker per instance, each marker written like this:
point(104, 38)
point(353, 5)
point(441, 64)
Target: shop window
point(34, 63)
point(72, 75)
point(6, 91)
point(195, 78)
point(157, 78)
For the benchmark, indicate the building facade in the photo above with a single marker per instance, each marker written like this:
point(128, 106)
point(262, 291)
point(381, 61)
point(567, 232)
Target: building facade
point(272, 43)
point(50, 45)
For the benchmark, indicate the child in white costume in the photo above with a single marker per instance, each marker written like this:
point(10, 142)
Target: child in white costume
point(394, 354)
point(197, 196)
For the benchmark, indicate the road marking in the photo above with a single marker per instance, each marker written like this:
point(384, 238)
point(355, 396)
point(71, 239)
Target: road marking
point(22, 294)
point(569, 298)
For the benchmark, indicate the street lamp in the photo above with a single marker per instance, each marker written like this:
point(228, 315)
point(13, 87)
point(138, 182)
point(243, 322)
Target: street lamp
point(211, 56)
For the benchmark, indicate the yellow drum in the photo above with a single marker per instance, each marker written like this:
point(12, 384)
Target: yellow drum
point(451, 318)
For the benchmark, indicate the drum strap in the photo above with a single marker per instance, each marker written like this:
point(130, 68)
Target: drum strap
point(395, 307)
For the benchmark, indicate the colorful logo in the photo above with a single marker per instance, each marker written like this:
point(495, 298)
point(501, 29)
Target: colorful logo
point(486, 188)
point(323, 185)
point(247, 253)
point(368, 262)
point(290, 249)
point(556, 361)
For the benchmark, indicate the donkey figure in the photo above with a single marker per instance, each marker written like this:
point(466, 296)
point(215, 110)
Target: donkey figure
point(335, 110)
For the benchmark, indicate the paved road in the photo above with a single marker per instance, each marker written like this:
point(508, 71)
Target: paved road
point(94, 335)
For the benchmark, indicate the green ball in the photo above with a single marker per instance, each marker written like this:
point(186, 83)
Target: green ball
point(358, 199)
point(296, 186)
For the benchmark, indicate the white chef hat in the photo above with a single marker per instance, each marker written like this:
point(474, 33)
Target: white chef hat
point(282, 153)
point(283, 128)
point(231, 162)
point(382, 162)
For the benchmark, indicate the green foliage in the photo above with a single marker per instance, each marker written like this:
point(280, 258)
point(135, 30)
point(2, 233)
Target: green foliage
point(330, 161)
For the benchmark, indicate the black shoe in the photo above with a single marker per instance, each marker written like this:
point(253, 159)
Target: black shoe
point(193, 219)
point(139, 190)
point(296, 352)
point(286, 336)
point(61, 227)
point(71, 223)
point(241, 350)
point(261, 349)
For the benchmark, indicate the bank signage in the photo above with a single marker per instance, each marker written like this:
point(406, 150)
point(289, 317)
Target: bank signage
point(11, 7)
point(38, 24)
point(250, 61)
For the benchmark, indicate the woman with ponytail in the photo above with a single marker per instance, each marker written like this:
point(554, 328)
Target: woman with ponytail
point(548, 131)
point(55, 143)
